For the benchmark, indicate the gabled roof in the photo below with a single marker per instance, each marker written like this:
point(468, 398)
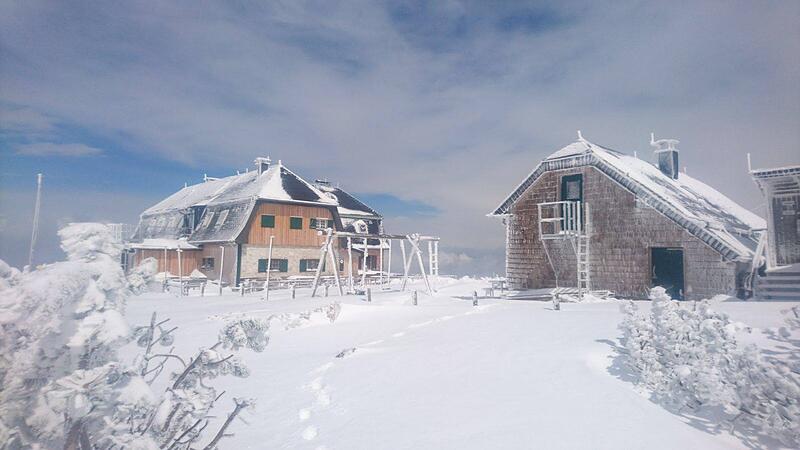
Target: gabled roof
point(223, 206)
point(277, 183)
point(700, 209)
point(348, 205)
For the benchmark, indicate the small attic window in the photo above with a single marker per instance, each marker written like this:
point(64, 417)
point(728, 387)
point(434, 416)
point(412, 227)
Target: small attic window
point(207, 219)
point(223, 215)
point(267, 221)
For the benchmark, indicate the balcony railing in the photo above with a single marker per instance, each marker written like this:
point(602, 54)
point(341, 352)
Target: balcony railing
point(558, 220)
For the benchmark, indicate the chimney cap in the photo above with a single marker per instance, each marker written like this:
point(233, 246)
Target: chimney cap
point(663, 145)
point(262, 164)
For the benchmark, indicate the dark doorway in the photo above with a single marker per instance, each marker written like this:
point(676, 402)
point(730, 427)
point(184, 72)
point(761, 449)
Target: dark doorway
point(571, 191)
point(666, 270)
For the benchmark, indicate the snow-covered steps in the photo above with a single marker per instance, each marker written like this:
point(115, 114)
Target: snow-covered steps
point(548, 293)
point(781, 284)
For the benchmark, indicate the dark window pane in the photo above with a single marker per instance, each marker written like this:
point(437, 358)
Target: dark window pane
point(262, 265)
point(296, 223)
point(267, 221)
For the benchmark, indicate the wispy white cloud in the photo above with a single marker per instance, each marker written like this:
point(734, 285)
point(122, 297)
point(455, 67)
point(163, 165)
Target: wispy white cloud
point(450, 103)
point(53, 149)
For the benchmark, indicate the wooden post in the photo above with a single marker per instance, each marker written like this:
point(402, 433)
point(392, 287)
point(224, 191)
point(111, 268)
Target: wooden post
point(414, 240)
point(164, 284)
point(474, 298)
point(364, 265)
point(221, 265)
point(180, 271)
point(414, 297)
point(294, 287)
point(406, 263)
point(380, 262)
point(369, 294)
point(326, 289)
point(389, 269)
point(269, 268)
point(323, 251)
point(350, 264)
point(335, 263)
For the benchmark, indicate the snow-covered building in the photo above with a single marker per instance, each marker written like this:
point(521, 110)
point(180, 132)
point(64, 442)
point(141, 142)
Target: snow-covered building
point(781, 187)
point(594, 218)
point(229, 221)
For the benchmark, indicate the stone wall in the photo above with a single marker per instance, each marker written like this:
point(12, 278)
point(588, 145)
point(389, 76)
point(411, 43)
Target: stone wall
point(251, 253)
point(623, 232)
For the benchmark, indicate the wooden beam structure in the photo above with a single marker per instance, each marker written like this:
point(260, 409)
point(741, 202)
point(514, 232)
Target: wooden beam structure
point(416, 253)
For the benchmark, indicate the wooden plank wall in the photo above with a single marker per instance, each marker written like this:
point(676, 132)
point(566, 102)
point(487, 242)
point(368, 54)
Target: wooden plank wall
point(284, 236)
point(190, 260)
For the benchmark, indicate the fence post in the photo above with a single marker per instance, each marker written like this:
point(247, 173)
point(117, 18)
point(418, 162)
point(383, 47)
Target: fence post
point(369, 294)
point(326, 289)
point(293, 291)
point(556, 303)
point(474, 298)
point(414, 298)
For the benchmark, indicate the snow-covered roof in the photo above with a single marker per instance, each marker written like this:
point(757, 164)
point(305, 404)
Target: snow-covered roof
point(277, 183)
point(348, 205)
point(778, 180)
point(160, 244)
point(220, 208)
point(702, 210)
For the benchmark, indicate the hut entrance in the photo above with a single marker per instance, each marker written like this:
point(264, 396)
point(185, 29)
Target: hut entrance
point(666, 269)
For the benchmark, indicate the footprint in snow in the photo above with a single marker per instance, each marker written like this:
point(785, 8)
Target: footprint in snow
point(323, 399)
point(310, 433)
point(303, 415)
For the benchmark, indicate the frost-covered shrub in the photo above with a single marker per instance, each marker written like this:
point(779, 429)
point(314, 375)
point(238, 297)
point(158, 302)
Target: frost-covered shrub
point(689, 356)
point(141, 275)
point(61, 381)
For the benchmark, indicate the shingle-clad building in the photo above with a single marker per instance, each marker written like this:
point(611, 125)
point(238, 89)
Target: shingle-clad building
point(594, 218)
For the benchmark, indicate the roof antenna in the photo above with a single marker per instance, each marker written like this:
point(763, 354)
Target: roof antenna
point(580, 136)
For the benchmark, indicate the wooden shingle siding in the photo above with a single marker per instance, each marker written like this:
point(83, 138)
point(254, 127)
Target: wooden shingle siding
point(622, 235)
point(284, 235)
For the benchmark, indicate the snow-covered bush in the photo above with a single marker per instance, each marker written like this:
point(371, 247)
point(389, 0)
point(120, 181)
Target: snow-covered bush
point(62, 383)
point(689, 356)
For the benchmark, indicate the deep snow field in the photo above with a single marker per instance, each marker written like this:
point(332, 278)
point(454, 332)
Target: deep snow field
point(443, 374)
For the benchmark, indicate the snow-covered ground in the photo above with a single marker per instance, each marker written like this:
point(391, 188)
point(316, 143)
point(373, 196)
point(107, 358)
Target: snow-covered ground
point(443, 374)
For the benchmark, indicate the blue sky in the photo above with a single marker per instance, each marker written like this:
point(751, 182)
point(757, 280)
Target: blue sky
point(431, 111)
